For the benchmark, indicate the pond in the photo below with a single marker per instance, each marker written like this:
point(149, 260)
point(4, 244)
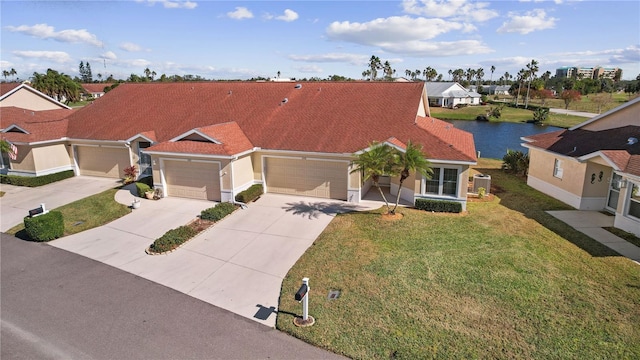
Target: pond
point(494, 138)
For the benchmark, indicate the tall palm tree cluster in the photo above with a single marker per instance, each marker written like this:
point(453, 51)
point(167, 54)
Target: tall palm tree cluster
point(527, 75)
point(57, 85)
point(7, 73)
point(384, 160)
point(375, 65)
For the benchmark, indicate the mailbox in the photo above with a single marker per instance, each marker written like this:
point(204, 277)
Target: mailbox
point(302, 292)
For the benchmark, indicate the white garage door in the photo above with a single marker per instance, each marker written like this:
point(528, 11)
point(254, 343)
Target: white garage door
point(317, 178)
point(102, 161)
point(194, 180)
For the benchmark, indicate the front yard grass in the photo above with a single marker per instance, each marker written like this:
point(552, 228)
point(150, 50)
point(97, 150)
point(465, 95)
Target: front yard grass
point(506, 280)
point(84, 214)
point(509, 114)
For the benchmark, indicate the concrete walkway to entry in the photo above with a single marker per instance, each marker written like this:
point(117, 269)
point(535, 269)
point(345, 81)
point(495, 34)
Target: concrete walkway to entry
point(591, 223)
point(238, 264)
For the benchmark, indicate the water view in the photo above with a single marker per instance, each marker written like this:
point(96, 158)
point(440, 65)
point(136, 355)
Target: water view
point(494, 138)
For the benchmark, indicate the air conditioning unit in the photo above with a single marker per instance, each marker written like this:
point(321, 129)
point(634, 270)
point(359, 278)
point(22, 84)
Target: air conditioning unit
point(482, 181)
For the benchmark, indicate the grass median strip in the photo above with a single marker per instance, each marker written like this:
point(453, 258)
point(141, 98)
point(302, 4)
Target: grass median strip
point(87, 213)
point(506, 280)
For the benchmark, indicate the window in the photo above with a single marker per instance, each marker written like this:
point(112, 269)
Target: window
point(614, 192)
point(634, 203)
point(444, 181)
point(557, 169)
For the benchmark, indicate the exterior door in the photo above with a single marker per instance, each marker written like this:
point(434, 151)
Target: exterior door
point(145, 159)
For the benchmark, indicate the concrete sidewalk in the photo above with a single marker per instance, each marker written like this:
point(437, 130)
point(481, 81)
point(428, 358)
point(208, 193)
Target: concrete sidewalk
point(591, 223)
point(18, 200)
point(573, 112)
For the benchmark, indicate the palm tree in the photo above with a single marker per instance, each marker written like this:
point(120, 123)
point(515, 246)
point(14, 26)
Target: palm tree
point(479, 75)
point(450, 72)
point(375, 162)
point(493, 68)
point(411, 160)
point(507, 76)
point(407, 72)
point(532, 69)
point(374, 65)
point(522, 74)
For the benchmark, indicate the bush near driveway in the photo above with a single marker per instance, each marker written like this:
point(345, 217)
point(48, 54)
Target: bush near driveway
point(250, 194)
point(507, 281)
point(218, 212)
point(45, 227)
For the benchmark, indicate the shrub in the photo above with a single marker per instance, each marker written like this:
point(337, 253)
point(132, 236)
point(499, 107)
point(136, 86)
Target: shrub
point(481, 192)
point(130, 174)
point(44, 227)
point(516, 162)
point(540, 115)
point(218, 212)
point(250, 194)
point(147, 180)
point(142, 188)
point(172, 239)
point(438, 205)
point(34, 181)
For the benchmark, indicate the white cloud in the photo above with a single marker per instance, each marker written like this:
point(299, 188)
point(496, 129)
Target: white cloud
point(109, 55)
point(456, 9)
point(168, 4)
point(437, 48)
point(391, 29)
point(288, 16)
point(131, 47)
point(44, 31)
point(532, 21)
point(240, 13)
point(55, 56)
point(312, 69)
point(354, 59)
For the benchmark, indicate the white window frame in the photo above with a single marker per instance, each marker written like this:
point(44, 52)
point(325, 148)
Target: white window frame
point(423, 183)
point(557, 169)
point(630, 199)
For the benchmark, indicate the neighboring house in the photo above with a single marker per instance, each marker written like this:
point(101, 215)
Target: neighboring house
point(212, 140)
point(498, 89)
point(95, 90)
point(594, 165)
point(450, 94)
point(26, 97)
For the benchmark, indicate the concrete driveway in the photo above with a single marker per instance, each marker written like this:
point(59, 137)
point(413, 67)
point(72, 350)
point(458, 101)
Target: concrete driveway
point(238, 264)
point(18, 200)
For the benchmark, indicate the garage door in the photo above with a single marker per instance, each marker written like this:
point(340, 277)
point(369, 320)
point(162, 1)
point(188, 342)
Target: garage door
point(102, 161)
point(194, 180)
point(326, 179)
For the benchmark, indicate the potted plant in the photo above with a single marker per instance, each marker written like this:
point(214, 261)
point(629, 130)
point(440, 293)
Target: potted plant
point(135, 204)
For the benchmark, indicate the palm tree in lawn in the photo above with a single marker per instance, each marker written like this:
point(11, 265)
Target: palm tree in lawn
point(412, 160)
point(522, 74)
point(532, 69)
point(375, 162)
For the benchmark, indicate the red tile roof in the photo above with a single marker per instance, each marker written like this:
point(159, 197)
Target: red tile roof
point(7, 87)
point(612, 143)
point(232, 138)
point(332, 117)
point(41, 125)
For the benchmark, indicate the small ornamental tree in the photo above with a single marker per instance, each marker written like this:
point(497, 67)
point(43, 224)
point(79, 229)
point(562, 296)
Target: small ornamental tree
point(569, 96)
point(375, 162)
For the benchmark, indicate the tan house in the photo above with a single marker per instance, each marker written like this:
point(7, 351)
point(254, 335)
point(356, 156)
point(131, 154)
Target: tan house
point(25, 97)
point(212, 140)
point(594, 165)
point(95, 90)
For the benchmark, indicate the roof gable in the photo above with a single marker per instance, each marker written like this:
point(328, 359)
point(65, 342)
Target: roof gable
point(33, 92)
point(630, 106)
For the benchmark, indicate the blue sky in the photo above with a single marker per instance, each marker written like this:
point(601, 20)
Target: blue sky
point(303, 39)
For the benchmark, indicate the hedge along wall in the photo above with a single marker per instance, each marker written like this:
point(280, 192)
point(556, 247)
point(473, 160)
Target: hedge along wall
point(35, 181)
point(438, 205)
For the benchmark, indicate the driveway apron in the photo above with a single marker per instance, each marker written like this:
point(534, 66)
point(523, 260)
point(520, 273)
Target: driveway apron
point(238, 264)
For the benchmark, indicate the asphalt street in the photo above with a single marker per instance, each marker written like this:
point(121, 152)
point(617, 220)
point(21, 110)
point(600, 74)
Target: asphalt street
point(59, 305)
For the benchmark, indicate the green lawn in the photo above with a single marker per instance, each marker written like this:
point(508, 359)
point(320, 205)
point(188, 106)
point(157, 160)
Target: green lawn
point(87, 213)
point(506, 280)
point(508, 115)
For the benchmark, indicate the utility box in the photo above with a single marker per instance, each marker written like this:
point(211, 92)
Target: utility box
point(482, 181)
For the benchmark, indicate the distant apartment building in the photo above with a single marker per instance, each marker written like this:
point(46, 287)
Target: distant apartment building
point(587, 72)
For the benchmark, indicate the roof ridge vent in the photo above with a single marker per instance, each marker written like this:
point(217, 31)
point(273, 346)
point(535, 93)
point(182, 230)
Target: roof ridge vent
point(632, 140)
point(298, 86)
point(284, 101)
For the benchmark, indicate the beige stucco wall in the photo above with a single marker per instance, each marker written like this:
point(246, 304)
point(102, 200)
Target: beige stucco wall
point(600, 186)
point(573, 176)
point(26, 99)
point(623, 117)
point(51, 157)
point(256, 160)
point(243, 171)
point(24, 161)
